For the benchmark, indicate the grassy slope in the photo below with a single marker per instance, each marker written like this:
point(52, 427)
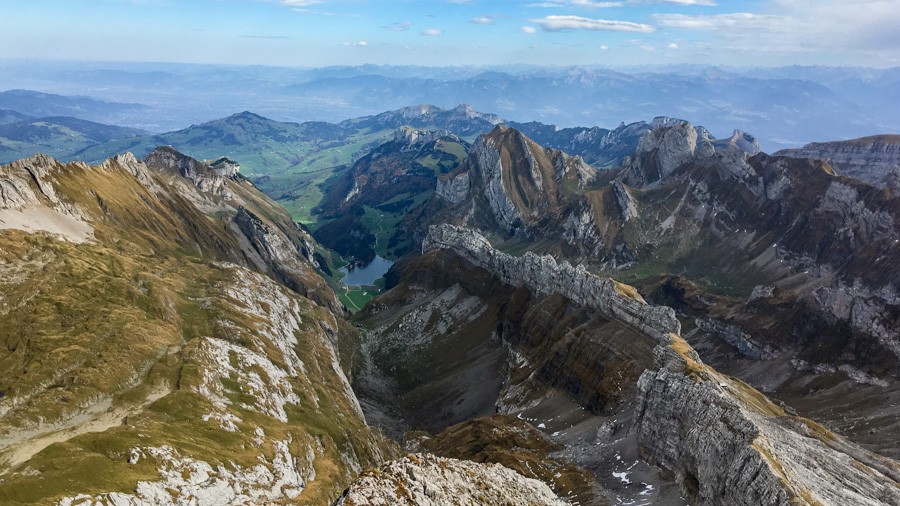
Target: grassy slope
point(121, 319)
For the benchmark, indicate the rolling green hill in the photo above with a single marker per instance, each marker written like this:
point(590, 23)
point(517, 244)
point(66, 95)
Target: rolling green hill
point(58, 136)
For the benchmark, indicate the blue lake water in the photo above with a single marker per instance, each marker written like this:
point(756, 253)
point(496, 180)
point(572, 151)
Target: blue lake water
point(367, 275)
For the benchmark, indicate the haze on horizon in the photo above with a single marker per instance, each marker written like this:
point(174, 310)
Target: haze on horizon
point(315, 33)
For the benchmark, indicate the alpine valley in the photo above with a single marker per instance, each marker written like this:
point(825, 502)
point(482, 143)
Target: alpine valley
point(638, 315)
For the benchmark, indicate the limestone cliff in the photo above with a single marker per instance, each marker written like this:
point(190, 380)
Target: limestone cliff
point(426, 480)
point(720, 440)
point(871, 159)
point(543, 275)
point(725, 443)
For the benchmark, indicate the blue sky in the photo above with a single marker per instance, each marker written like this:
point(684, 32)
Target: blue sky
point(311, 33)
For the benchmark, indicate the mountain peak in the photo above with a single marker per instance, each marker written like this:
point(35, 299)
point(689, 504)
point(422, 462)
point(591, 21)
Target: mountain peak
point(246, 116)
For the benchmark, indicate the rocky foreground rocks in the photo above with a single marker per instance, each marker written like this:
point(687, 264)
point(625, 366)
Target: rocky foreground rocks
point(425, 480)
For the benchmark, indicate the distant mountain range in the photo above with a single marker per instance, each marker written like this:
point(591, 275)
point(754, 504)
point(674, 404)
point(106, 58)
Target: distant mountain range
point(785, 107)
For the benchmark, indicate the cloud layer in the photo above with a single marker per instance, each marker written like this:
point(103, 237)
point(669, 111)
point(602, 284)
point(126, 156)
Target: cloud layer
point(560, 23)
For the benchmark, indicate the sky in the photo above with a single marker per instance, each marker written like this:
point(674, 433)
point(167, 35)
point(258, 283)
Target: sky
point(316, 33)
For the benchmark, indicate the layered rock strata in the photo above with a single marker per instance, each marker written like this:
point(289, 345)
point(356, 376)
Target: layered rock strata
point(874, 160)
point(426, 480)
point(719, 439)
point(544, 276)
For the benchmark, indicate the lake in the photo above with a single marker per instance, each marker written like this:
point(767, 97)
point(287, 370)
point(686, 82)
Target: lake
point(364, 276)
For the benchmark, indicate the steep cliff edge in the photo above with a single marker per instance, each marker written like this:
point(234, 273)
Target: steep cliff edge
point(875, 159)
point(729, 219)
point(542, 275)
point(722, 441)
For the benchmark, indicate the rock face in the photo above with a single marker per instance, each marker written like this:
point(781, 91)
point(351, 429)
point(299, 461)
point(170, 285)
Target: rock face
point(722, 441)
point(544, 276)
point(671, 143)
point(871, 159)
point(29, 200)
point(206, 179)
point(512, 184)
point(734, 336)
point(625, 201)
point(490, 172)
point(426, 480)
point(453, 188)
point(725, 443)
point(289, 262)
point(664, 148)
point(225, 167)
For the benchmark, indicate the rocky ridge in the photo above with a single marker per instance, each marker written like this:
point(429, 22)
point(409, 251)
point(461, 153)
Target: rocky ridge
point(718, 438)
point(426, 480)
point(875, 160)
point(543, 275)
point(517, 182)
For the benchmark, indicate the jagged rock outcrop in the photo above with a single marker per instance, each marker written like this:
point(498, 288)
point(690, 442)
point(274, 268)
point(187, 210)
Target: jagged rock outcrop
point(413, 136)
point(515, 184)
point(543, 275)
point(671, 143)
point(288, 262)
point(29, 200)
point(225, 167)
point(722, 441)
point(736, 337)
point(30, 182)
point(725, 443)
point(205, 178)
point(871, 159)
point(426, 480)
point(453, 188)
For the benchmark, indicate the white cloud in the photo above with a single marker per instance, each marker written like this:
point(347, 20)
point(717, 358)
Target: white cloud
point(672, 45)
point(528, 29)
point(432, 32)
point(483, 20)
point(589, 4)
point(604, 47)
point(400, 26)
point(362, 43)
point(559, 23)
point(301, 3)
point(715, 21)
point(707, 3)
point(835, 32)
